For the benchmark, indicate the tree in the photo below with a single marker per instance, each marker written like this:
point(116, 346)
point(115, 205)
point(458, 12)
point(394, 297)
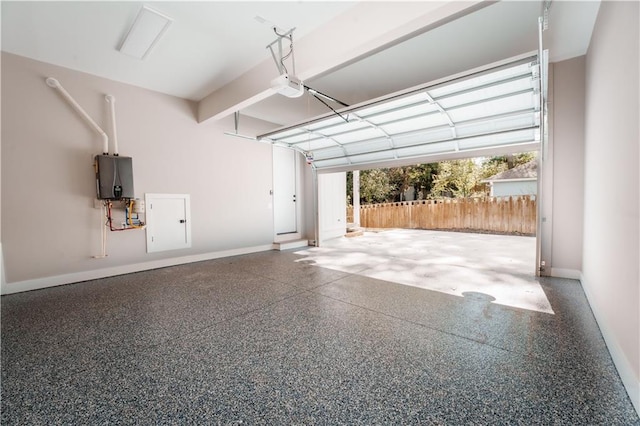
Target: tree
point(492, 166)
point(349, 188)
point(422, 177)
point(388, 185)
point(400, 181)
point(457, 178)
point(495, 165)
point(374, 186)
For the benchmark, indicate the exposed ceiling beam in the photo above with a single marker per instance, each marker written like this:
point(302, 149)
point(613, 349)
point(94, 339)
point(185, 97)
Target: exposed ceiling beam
point(365, 29)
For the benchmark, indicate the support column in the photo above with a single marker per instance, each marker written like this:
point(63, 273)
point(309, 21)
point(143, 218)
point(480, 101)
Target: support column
point(316, 206)
point(356, 198)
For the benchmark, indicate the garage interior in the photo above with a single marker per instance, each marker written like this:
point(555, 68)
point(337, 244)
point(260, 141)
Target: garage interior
point(203, 321)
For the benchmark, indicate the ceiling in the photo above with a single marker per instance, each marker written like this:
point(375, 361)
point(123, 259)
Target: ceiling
point(496, 32)
point(211, 44)
point(207, 45)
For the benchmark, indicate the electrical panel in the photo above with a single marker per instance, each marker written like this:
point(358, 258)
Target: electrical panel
point(114, 177)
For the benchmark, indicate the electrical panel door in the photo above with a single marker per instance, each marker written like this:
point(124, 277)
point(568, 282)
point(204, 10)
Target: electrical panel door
point(168, 222)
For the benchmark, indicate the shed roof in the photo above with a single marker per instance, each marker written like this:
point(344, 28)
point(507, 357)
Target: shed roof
point(523, 171)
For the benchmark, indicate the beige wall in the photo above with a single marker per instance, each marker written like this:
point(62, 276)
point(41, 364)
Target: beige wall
point(567, 107)
point(50, 227)
point(611, 215)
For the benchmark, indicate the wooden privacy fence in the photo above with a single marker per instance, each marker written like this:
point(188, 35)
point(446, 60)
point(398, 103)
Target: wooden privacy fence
point(513, 215)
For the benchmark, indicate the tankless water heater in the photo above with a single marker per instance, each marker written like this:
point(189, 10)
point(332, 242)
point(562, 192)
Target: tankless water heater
point(114, 177)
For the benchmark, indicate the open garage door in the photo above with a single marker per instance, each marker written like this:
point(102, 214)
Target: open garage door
point(483, 112)
point(493, 110)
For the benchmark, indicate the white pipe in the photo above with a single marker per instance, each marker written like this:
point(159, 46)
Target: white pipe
point(236, 120)
point(52, 82)
point(236, 135)
point(103, 234)
point(114, 134)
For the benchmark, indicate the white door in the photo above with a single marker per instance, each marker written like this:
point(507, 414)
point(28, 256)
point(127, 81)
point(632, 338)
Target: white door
point(332, 205)
point(168, 222)
point(284, 190)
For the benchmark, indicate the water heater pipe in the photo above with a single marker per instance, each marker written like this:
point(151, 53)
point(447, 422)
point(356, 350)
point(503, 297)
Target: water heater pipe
point(52, 82)
point(114, 134)
point(103, 234)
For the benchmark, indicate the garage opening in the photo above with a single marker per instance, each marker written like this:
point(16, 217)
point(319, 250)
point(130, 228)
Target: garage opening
point(488, 194)
point(492, 111)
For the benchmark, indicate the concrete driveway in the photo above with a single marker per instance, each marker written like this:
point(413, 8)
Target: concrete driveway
point(499, 268)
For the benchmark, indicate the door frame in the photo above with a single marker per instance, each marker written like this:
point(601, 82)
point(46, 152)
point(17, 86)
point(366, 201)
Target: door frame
point(299, 198)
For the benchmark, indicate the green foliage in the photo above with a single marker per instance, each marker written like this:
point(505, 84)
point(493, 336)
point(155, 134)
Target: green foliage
point(374, 186)
point(422, 177)
point(457, 178)
point(349, 188)
point(400, 180)
point(524, 157)
point(388, 185)
point(495, 165)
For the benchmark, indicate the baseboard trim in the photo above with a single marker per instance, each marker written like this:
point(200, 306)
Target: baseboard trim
point(2, 280)
point(573, 274)
point(40, 283)
point(624, 367)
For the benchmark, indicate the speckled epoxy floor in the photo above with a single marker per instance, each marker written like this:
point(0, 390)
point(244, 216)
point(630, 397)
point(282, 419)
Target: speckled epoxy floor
point(272, 338)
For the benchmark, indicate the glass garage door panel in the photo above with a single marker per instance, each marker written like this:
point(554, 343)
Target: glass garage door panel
point(494, 107)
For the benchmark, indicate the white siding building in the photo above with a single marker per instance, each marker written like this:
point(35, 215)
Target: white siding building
point(521, 180)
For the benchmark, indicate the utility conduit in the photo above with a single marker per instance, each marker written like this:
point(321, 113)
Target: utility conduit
point(114, 135)
point(52, 82)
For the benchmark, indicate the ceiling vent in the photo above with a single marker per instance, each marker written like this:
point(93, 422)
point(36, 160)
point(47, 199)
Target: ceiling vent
point(149, 26)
